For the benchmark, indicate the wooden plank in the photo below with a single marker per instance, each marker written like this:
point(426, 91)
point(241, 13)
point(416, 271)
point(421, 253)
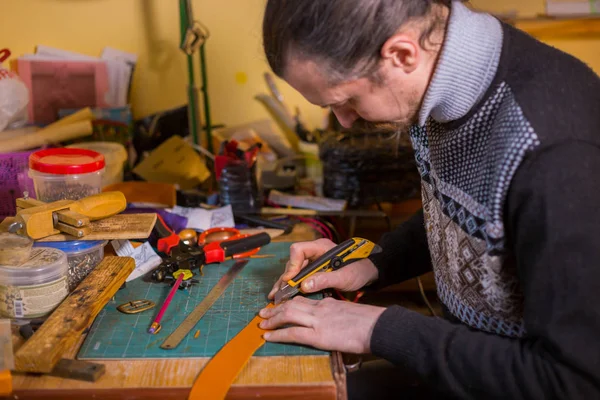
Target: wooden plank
point(72, 218)
point(63, 328)
point(287, 392)
point(77, 369)
point(560, 28)
point(121, 226)
point(181, 372)
point(6, 356)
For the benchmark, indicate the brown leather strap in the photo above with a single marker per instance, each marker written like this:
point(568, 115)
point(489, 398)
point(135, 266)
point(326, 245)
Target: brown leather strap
point(5, 383)
point(216, 377)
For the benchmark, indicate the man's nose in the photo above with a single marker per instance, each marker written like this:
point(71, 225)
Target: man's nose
point(345, 115)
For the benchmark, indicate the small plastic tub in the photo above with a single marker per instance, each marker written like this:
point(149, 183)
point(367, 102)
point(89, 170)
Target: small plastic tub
point(63, 173)
point(36, 287)
point(115, 156)
point(82, 255)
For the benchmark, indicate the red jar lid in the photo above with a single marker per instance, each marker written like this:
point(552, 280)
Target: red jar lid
point(66, 161)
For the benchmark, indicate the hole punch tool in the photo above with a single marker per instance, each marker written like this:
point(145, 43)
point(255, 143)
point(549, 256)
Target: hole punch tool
point(338, 257)
point(195, 257)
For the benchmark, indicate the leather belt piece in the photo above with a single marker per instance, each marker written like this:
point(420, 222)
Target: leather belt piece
point(5, 383)
point(218, 375)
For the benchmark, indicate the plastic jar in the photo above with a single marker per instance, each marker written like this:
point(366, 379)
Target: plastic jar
point(64, 173)
point(115, 156)
point(36, 287)
point(82, 255)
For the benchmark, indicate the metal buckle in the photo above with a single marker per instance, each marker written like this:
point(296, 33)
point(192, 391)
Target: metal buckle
point(136, 306)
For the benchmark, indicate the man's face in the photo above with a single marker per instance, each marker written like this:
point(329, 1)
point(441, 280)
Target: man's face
point(391, 102)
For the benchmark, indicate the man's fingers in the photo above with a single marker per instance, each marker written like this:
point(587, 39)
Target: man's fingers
point(291, 270)
point(289, 274)
point(325, 280)
point(300, 255)
point(292, 312)
point(301, 251)
point(276, 287)
point(297, 304)
point(296, 334)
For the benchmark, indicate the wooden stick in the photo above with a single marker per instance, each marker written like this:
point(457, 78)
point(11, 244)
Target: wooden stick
point(63, 328)
point(121, 226)
point(48, 135)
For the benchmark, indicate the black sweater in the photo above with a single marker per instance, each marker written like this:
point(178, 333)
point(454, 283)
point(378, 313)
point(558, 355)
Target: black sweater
point(511, 228)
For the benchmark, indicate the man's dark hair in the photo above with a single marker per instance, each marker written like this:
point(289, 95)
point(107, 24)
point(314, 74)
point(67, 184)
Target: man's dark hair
point(346, 35)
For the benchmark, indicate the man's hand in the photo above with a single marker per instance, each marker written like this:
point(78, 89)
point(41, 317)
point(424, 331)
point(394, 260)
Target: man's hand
point(327, 324)
point(349, 278)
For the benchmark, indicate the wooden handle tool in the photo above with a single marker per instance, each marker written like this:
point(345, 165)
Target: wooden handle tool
point(101, 205)
point(38, 220)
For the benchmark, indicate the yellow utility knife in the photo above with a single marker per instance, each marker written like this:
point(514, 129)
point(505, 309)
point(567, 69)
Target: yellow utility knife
point(341, 255)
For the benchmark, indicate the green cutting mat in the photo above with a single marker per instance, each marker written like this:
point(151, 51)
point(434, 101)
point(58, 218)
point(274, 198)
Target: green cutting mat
point(115, 335)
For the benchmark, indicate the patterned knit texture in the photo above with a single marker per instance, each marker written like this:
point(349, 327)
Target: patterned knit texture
point(466, 173)
point(467, 64)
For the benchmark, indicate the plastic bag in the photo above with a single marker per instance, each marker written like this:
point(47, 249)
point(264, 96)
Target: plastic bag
point(14, 97)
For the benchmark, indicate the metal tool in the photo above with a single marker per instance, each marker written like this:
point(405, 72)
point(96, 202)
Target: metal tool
point(341, 255)
point(192, 319)
point(136, 306)
point(38, 220)
point(193, 257)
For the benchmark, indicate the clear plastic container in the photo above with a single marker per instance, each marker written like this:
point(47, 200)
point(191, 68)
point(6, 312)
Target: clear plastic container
point(115, 156)
point(82, 255)
point(36, 287)
point(64, 173)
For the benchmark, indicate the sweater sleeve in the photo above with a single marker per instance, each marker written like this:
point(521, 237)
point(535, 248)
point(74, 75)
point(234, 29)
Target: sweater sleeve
point(404, 255)
point(553, 220)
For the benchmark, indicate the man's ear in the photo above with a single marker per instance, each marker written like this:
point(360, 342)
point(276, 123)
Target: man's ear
point(402, 52)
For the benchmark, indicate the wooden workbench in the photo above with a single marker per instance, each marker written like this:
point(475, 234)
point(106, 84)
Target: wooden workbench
point(289, 377)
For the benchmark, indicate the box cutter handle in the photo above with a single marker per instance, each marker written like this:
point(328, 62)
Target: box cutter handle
point(341, 255)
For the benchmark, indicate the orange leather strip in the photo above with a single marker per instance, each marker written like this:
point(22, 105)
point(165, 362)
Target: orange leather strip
point(216, 377)
point(5, 383)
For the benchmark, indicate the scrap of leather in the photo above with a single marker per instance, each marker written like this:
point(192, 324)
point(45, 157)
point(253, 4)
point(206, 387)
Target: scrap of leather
point(146, 192)
point(5, 383)
point(218, 375)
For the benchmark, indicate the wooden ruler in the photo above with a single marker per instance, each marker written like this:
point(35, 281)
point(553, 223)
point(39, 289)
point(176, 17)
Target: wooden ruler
point(192, 319)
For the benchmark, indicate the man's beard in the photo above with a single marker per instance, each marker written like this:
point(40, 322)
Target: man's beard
point(364, 126)
point(383, 127)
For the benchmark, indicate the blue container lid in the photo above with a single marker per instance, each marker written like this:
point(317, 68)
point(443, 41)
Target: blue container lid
point(73, 246)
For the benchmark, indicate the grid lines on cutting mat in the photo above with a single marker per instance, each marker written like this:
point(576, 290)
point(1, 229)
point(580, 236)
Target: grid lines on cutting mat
point(114, 335)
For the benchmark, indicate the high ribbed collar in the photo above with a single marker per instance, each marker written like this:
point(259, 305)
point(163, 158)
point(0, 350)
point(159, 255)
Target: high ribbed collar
point(466, 67)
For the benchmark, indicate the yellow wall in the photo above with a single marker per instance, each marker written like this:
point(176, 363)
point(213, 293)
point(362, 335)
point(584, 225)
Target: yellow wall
point(150, 28)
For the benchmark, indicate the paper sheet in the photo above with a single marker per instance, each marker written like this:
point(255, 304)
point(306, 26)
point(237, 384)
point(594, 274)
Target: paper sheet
point(145, 257)
point(201, 219)
point(308, 202)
